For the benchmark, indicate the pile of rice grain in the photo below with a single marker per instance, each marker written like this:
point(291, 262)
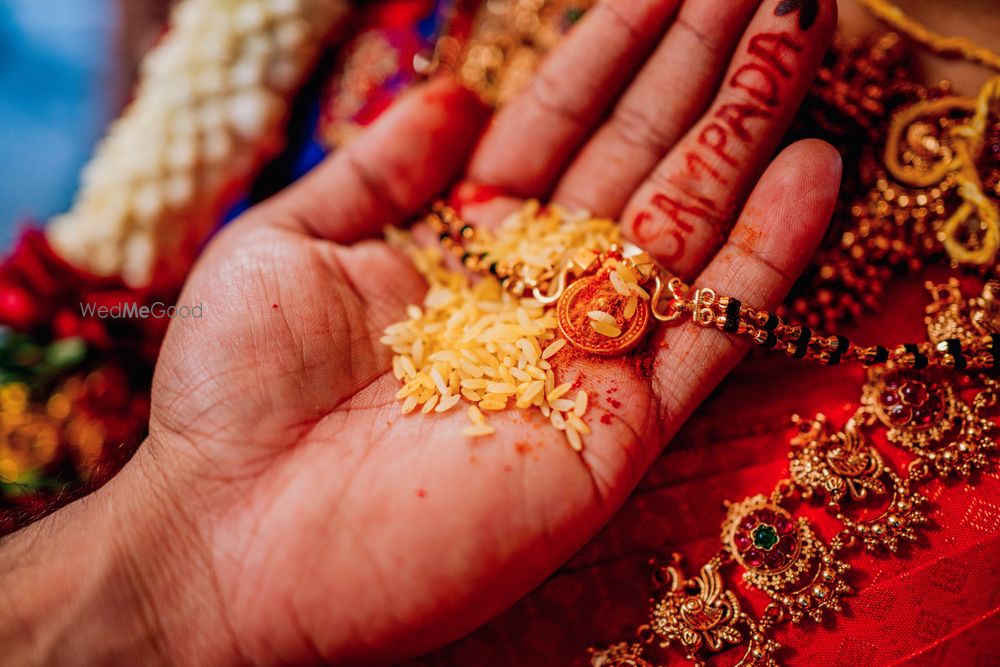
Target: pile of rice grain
point(473, 342)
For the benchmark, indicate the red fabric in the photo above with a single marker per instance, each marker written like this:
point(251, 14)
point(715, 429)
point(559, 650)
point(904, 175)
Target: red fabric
point(935, 603)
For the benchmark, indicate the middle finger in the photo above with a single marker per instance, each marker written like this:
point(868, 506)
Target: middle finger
point(667, 97)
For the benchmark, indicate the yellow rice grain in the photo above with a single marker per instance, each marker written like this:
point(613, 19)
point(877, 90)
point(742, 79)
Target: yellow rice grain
point(532, 390)
point(429, 405)
point(475, 416)
point(447, 403)
point(562, 404)
point(529, 350)
point(439, 382)
point(478, 430)
point(520, 375)
point(409, 404)
point(557, 392)
point(602, 317)
point(557, 420)
point(581, 403)
point(536, 373)
point(470, 369)
point(577, 424)
point(630, 307)
point(533, 342)
point(575, 441)
point(553, 348)
point(608, 330)
point(619, 283)
point(627, 275)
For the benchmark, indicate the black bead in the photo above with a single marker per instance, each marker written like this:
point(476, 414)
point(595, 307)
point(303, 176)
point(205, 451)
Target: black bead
point(802, 343)
point(732, 324)
point(842, 346)
point(919, 360)
point(955, 350)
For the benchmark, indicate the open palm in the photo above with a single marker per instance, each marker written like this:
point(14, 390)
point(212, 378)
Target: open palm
point(322, 525)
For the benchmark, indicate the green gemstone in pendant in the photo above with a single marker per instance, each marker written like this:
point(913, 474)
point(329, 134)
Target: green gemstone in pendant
point(765, 537)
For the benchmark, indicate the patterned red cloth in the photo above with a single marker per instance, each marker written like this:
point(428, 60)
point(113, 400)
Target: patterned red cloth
point(934, 603)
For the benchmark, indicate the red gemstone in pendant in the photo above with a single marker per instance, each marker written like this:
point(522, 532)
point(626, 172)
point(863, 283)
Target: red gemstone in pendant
point(742, 541)
point(922, 417)
point(787, 546)
point(764, 516)
point(754, 558)
point(913, 393)
point(900, 415)
point(784, 525)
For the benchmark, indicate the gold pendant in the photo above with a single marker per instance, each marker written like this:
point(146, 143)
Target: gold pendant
point(926, 417)
point(596, 294)
point(841, 468)
point(702, 616)
point(784, 558)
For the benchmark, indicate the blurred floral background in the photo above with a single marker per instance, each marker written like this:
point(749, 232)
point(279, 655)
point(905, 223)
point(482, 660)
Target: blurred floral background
point(65, 69)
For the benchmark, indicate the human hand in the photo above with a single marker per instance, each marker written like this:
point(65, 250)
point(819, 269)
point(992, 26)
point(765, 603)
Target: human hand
point(282, 511)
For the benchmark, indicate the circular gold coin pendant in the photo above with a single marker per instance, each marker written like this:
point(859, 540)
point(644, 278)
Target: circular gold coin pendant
point(596, 293)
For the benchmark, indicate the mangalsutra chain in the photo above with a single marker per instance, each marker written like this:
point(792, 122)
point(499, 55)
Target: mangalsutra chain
point(668, 299)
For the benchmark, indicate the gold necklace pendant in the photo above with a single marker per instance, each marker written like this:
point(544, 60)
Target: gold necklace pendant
point(602, 317)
